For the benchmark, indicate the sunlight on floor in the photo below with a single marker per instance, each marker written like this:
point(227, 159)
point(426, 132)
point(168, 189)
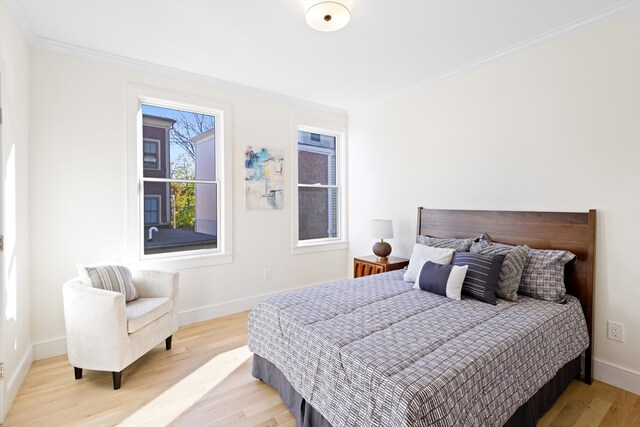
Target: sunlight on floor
point(165, 408)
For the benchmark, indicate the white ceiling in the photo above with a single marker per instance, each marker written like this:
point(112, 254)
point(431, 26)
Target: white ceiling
point(388, 47)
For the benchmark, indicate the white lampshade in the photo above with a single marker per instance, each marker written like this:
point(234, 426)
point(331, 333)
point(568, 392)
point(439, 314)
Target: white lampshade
point(327, 16)
point(381, 228)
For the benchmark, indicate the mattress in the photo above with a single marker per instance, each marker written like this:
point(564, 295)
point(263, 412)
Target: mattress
point(373, 351)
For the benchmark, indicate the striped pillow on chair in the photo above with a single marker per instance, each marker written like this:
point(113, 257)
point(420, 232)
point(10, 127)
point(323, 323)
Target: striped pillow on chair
point(115, 278)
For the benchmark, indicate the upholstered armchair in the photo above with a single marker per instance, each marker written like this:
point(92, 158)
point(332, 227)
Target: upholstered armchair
point(105, 333)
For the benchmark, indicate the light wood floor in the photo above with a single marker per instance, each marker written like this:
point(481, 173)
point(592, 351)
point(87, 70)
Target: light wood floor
point(51, 397)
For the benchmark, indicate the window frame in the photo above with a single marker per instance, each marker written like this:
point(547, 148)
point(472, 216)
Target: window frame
point(337, 130)
point(138, 95)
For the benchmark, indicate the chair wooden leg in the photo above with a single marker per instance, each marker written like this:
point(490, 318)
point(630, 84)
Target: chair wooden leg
point(167, 342)
point(77, 372)
point(117, 379)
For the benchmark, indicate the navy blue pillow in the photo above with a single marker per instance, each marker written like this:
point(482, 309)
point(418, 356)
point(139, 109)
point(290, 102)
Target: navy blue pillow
point(481, 280)
point(434, 277)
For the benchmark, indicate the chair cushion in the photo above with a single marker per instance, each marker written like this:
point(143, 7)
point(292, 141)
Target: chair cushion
point(143, 311)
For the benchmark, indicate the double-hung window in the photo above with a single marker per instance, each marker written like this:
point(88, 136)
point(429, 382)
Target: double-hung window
point(180, 195)
point(151, 154)
point(179, 170)
point(151, 210)
point(320, 190)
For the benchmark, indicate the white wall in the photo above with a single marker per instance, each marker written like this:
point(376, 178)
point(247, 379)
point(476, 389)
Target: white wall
point(555, 127)
point(14, 72)
point(79, 189)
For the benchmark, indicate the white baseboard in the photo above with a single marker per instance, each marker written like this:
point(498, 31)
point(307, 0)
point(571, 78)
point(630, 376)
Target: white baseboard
point(57, 347)
point(201, 314)
point(615, 375)
point(15, 381)
point(50, 348)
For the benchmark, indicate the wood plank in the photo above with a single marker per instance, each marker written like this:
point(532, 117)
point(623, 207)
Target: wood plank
point(594, 413)
point(624, 411)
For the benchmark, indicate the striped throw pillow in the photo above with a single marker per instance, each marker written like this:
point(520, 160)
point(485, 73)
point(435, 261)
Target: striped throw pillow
point(482, 276)
point(115, 278)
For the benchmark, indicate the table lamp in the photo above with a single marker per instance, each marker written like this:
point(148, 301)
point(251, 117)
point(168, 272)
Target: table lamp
point(381, 229)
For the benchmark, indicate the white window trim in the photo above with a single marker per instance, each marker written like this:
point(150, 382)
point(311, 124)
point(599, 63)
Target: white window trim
point(339, 131)
point(136, 96)
point(157, 142)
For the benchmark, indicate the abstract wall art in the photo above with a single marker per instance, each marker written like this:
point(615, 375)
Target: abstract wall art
point(264, 182)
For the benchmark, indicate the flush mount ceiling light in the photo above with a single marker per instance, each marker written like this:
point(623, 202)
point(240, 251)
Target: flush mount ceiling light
point(327, 16)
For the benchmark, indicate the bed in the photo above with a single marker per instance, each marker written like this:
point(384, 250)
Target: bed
point(375, 352)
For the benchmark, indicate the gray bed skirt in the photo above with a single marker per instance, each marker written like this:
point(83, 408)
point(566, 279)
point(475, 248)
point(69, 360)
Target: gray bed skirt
point(306, 416)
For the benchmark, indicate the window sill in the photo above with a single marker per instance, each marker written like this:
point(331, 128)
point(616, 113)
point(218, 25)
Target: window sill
point(307, 248)
point(185, 262)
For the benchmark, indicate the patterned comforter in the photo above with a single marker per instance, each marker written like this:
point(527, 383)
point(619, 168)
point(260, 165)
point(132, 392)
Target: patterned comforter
point(374, 352)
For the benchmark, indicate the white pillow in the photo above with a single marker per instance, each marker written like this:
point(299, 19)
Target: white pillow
point(450, 286)
point(454, 284)
point(422, 254)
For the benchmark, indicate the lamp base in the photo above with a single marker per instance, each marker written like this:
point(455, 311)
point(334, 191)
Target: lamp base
point(382, 250)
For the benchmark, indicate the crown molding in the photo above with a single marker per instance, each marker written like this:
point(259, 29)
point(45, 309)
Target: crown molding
point(161, 70)
point(621, 9)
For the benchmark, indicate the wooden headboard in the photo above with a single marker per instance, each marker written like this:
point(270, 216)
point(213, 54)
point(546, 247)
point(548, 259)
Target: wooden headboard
point(574, 232)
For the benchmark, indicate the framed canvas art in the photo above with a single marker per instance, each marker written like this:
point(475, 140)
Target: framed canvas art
point(264, 182)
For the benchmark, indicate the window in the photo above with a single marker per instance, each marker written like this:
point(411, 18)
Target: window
point(179, 213)
point(151, 210)
point(151, 154)
point(187, 183)
point(319, 201)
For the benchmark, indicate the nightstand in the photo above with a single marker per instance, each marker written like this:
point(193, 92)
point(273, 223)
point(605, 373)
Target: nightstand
point(369, 264)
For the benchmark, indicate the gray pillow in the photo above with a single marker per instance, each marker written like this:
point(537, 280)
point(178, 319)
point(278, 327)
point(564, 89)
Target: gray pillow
point(461, 245)
point(115, 278)
point(543, 276)
point(512, 267)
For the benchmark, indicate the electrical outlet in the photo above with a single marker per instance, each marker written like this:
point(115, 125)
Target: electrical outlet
point(267, 274)
point(615, 331)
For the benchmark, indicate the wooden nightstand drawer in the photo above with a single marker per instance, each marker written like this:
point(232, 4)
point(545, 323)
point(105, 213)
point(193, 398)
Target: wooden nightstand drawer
point(369, 264)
